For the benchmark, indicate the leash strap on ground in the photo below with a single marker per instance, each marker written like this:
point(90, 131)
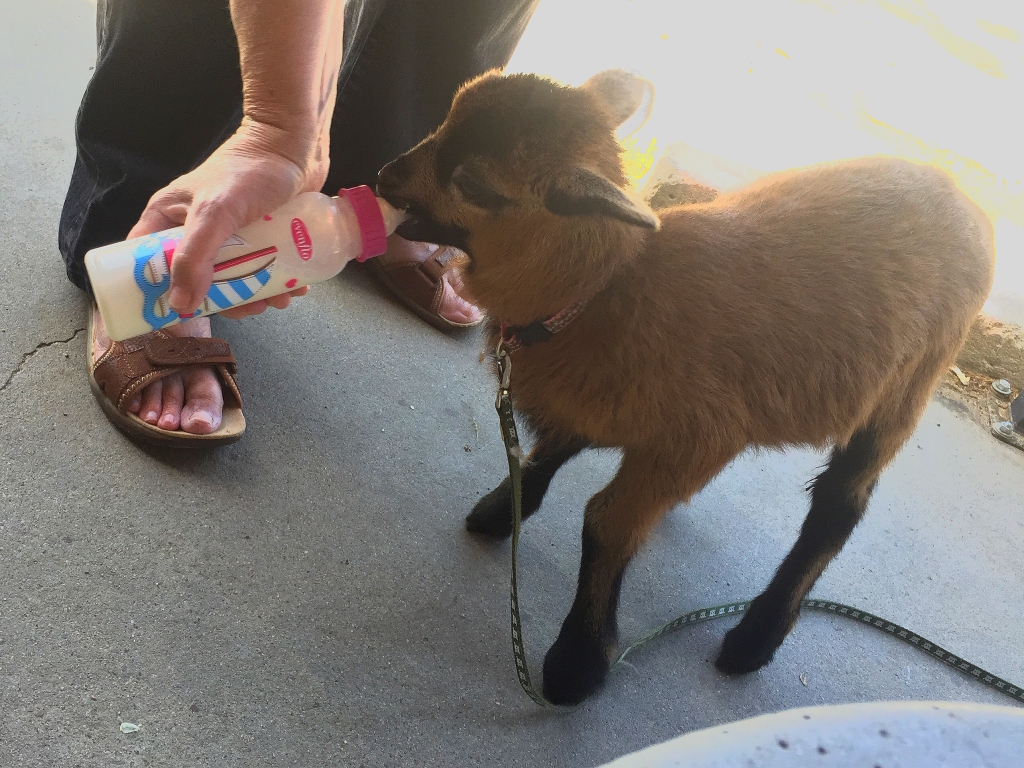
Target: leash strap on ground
point(510, 437)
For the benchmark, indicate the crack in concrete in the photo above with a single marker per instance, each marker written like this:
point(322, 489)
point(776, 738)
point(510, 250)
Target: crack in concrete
point(30, 354)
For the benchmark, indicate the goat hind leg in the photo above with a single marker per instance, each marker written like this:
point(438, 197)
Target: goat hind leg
point(839, 496)
point(492, 515)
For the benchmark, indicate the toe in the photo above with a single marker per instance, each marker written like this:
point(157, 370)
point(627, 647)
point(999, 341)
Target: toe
point(149, 409)
point(204, 402)
point(454, 308)
point(173, 399)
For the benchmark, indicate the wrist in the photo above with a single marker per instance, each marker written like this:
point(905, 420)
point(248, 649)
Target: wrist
point(293, 139)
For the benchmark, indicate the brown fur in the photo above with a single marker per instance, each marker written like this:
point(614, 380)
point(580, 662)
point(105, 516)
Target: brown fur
point(811, 307)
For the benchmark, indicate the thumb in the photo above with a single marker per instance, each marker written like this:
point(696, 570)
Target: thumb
point(207, 227)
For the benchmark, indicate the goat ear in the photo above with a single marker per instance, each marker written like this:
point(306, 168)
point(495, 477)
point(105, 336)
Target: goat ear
point(625, 95)
point(582, 192)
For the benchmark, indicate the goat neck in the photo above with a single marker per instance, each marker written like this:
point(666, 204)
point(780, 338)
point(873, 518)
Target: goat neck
point(537, 266)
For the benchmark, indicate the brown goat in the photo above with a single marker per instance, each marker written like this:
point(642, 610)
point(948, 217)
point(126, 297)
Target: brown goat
point(816, 308)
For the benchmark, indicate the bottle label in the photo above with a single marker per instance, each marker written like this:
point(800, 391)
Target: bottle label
point(153, 276)
point(153, 257)
point(300, 236)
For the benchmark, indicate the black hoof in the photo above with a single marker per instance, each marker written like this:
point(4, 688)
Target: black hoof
point(492, 515)
point(574, 668)
point(752, 643)
point(743, 652)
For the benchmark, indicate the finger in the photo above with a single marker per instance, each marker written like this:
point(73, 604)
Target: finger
point(259, 307)
point(283, 300)
point(173, 399)
point(237, 313)
point(167, 208)
point(151, 397)
point(280, 301)
point(153, 220)
point(207, 226)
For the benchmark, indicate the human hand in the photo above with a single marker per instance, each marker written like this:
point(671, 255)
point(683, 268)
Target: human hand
point(260, 168)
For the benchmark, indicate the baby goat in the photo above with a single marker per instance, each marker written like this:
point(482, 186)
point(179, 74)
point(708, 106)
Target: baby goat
point(815, 308)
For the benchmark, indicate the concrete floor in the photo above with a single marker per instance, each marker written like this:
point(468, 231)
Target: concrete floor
point(308, 597)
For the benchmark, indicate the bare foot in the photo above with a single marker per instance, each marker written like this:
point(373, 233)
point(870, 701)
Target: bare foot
point(454, 306)
point(426, 278)
point(190, 401)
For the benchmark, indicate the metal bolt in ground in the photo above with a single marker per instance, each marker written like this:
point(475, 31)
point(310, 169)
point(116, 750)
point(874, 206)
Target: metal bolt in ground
point(1004, 428)
point(1002, 388)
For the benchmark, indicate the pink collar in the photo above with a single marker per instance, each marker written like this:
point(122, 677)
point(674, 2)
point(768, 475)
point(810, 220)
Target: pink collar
point(515, 337)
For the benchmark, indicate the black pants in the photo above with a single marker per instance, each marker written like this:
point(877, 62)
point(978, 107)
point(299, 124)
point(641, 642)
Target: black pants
point(167, 91)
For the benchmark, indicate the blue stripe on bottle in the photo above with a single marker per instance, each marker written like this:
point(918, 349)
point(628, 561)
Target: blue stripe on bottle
point(218, 298)
point(239, 287)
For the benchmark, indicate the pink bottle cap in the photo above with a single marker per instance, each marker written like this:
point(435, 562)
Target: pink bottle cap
point(371, 222)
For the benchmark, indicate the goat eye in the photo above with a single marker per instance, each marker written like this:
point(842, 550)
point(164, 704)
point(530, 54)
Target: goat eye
point(470, 186)
point(477, 192)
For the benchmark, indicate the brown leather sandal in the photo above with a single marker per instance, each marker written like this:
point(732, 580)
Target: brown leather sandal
point(128, 366)
point(413, 272)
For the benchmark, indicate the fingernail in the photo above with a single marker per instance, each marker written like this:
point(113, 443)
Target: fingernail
point(179, 300)
point(150, 416)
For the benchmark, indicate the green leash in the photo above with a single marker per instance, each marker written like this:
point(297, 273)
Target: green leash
point(510, 437)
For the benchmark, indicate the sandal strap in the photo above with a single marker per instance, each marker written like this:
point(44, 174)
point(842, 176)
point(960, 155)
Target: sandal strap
point(421, 279)
point(441, 261)
point(132, 364)
point(229, 382)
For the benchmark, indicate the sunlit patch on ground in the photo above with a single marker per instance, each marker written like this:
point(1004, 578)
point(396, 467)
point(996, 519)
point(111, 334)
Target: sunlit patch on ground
point(778, 84)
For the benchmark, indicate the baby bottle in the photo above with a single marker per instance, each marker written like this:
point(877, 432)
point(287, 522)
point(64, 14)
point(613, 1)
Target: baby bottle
point(305, 241)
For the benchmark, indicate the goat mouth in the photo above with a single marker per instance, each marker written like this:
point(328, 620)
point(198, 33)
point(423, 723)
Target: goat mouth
point(415, 216)
point(416, 222)
point(420, 227)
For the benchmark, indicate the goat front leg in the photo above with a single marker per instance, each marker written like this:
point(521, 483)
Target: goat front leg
point(616, 523)
point(492, 515)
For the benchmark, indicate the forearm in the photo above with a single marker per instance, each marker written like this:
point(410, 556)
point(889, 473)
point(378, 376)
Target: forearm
point(290, 54)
